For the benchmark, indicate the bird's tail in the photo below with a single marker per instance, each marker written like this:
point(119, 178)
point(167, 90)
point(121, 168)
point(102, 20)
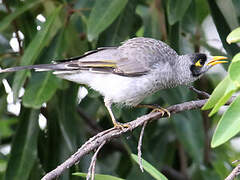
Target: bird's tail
point(38, 67)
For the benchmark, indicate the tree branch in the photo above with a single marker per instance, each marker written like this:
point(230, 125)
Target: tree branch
point(91, 170)
point(112, 133)
point(235, 172)
point(140, 145)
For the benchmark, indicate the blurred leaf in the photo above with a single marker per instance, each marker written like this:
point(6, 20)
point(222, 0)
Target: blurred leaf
point(189, 132)
point(115, 33)
point(174, 33)
point(124, 166)
point(24, 147)
point(234, 36)
point(222, 28)
point(149, 168)
point(43, 85)
point(7, 20)
point(189, 22)
point(236, 4)
point(176, 10)
point(34, 49)
point(66, 111)
point(202, 10)
point(220, 168)
point(212, 49)
point(5, 127)
point(98, 176)
point(151, 22)
point(40, 89)
point(102, 15)
point(217, 93)
point(229, 124)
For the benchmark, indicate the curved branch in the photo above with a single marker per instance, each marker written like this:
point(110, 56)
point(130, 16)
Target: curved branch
point(109, 134)
point(235, 172)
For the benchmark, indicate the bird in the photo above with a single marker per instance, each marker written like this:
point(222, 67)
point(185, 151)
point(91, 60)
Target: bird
point(128, 73)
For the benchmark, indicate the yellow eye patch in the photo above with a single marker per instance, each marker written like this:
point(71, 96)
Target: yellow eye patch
point(198, 63)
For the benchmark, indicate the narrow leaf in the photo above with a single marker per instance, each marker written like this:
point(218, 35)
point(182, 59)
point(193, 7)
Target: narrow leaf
point(229, 124)
point(33, 50)
point(234, 72)
point(8, 19)
point(221, 101)
point(102, 15)
point(234, 69)
point(176, 10)
point(217, 93)
point(41, 88)
point(98, 176)
point(149, 168)
point(234, 36)
point(43, 85)
point(24, 147)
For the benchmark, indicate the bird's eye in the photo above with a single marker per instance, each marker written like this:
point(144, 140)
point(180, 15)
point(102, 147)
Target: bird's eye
point(199, 63)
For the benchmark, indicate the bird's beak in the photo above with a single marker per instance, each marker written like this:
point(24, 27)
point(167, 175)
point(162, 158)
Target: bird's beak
point(217, 60)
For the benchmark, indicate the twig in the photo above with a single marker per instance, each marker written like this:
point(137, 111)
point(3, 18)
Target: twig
point(140, 145)
point(235, 172)
point(112, 133)
point(201, 93)
point(91, 170)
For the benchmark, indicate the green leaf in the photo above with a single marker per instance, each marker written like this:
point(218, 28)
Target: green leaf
point(223, 100)
point(43, 85)
point(24, 147)
point(202, 10)
point(98, 176)
point(40, 89)
point(149, 168)
point(217, 93)
point(34, 49)
point(8, 19)
point(234, 70)
point(176, 10)
point(151, 22)
point(102, 15)
point(190, 133)
point(115, 33)
point(234, 36)
point(69, 129)
point(5, 127)
point(229, 124)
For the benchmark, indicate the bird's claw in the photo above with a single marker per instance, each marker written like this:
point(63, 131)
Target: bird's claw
point(121, 126)
point(162, 110)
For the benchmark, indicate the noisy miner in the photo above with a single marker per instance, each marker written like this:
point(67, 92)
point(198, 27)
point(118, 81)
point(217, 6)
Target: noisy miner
point(128, 73)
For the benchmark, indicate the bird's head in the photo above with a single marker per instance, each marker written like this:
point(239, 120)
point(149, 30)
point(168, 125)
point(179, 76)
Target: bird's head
point(201, 63)
point(191, 67)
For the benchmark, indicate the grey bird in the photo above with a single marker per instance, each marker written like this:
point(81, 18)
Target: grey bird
point(128, 73)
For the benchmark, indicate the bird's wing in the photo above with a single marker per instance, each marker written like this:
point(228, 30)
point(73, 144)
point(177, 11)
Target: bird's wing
point(134, 57)
point(104, 60)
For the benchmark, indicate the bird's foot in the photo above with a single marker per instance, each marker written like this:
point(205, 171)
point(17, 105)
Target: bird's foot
point(155, 108)
point(162, 110)
point(120, 125)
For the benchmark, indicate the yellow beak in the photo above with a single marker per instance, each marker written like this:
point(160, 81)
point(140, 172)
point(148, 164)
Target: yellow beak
point(216, 60)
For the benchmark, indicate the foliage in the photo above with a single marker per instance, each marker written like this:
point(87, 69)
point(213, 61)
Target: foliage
point(228, 125)
point(179, 144)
